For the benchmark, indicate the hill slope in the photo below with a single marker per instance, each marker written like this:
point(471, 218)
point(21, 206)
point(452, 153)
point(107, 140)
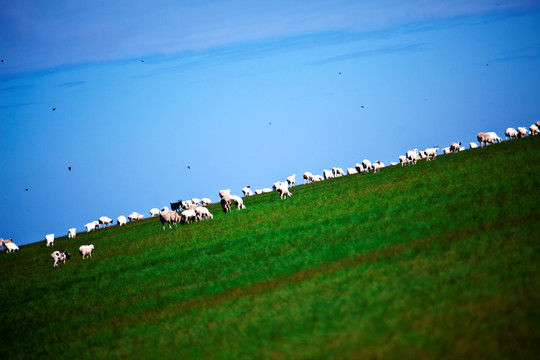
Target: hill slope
point(439, 259)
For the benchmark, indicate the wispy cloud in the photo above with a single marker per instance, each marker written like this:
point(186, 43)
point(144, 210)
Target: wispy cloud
point(15, 88)
point(2, 107)
point(71, 84)
point(410, 47)
point(526, 53)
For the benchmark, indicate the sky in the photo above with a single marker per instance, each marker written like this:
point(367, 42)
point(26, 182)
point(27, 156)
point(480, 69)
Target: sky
point(242, 92)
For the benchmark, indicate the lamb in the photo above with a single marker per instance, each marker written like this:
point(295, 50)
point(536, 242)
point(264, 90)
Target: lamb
point(412, 155)
point(446, 150)
point(455, 146)
point(105, 221)
point(239, 202)
point(337, 171)
point(291, 180)
point(431, 153)
point(86, 250)
point(308, 177)
point(50, 239)
point(10, 247)
point(207, 201)
point(328, 174)
point(377, 165)
point(494, 137)
point(247, 191)
point(121, 220)
point(472, 145)
point(284, 192)
point(317, 178)
point(92, 225)
point(189, 215)
point(72, 232)
point(154, 212)
point(403, 160)
point(534, 129)
point(59, 255)
point(203, 213)
point(351, 171)
point(134, 216)
point(511, 133)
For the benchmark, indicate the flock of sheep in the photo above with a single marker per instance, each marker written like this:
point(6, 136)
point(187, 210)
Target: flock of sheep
point(195, 209)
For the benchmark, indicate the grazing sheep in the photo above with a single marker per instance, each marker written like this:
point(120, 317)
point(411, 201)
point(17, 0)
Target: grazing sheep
point(72, 232)
point(223, 193)
point(90, 226)
point(11, 247)
point(455, 146)
point(412, 155)
point(203, 213)
point(534, 129)
point(2, 242)
point(238, 201)
point(189, 215)
point(258, 191)
point(134, 216)
point(121, 220)
point(279, 184)
point(377, 165)
point(185, 205)
point(284, 192)
point(60, 255)
point(196, 201)
point(392, 163)
point(366, 164)
point(446, 150)
point(105, 221)
point(337, 171)
point(226, 204)
point(308, 177)
point(403, 160)
point(291, 180)
point(511, 133)
point(328, 174)
point(431, 153)
point(484, 139)
point(247, 191)
point(154, 212)
point(168, 217)
point(164, 209)
point(207, 201)
point(351, 171)
point(50, 239)
point(317, 178)
point(462, 148)
point(494, 137)
point(359, 168)
point(472, 145)
point(538, 124)
point(266, 190)
point(86, 250)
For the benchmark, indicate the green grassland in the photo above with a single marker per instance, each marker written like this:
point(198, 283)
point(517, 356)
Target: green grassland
point(436, 260)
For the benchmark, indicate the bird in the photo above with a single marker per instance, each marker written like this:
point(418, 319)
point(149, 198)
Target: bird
point(270, 123)
point(2, 60)
point(53, 108)
point(189, 167)
point(25, 189)
point(362, 106)
point(69, 168)
point(142, 60)
point(339, 73)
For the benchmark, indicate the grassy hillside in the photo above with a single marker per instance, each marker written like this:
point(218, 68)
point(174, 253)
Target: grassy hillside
point(440, 259)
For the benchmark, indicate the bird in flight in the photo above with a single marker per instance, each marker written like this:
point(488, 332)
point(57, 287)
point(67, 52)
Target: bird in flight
point(189, 167)
point(25, 189)
point(69, 168)
point(53, 108)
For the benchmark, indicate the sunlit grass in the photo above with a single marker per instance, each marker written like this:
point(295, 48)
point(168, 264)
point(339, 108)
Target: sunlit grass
point(439, 259)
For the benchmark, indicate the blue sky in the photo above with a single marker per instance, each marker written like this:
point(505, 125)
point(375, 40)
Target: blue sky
point(143, 90)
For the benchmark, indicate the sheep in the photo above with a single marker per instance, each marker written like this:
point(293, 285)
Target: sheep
point(163, 209)
point(431, 153)
point(223, 193)
point(534, 129)
point(10, 247)
point(2, 242)
point(189, 215)
point(366, 164)
point(359, 168)
point(328, 174)
point(455, 146)
point(484, 139)
point(462, 148)
point(121, 220)
point(154, 212)
point(50, 239)
point(351, 171)
point(105, 221)
point(185, 205)
point(421, 155)
point(494, 137)
point(207, 201)
point(86, 250)
point(446, 150)
point(472, 145)
point(308, 177)
point(510, 133)
point(135, 216)
point(72, 232)
point(392, 163)
point(247, 191)
point(196, 201)
point(317, 178)
point(337, 171)
point(279, 184)
point(266, 190)
point(226, 204)
point(238, 201)
point(284, 192)
point(522, 132)
point(403, 160)
point(60, 255)
point(168, 217)
point(258, 191)
point(203, 213)
point(90, 226)
point(291, 180)
point(538, 124)
point(412, 155)
point(377, 165)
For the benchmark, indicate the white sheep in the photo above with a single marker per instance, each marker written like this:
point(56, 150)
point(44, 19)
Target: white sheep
point(247, 191)
point(86, 250)
point(473, 145)
point(206, 201)
point(185, 204)
point(484, 139)
point(446, 150)
point(522, 132)
point(154, 212)
point(359, 168)
point(337, 171)
point(308, 177)
point(494, 137)
point(105, 221)
point(431, 153)
point(189, 215)
point(134, 216)
point(167, 217)
point(9, 245)
point(351, 171)
point(72, 232)
point(317, 178)
point(328, 174)
point(238, 201)
point(203, 213)
point(121, 220)
point(511, 133)
point(412, 155)
point(279, 184)
point(403, 160)
point(377, 165)
point(258, 191)
point(90, 226)
point(392, 163)
point(366, 164)
point(163, 209)
point(291, 180)
point(455, 146)
point(534, 129)
point(284, 192)
point(50, 239)
point(266, 190)
point(59, 255)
